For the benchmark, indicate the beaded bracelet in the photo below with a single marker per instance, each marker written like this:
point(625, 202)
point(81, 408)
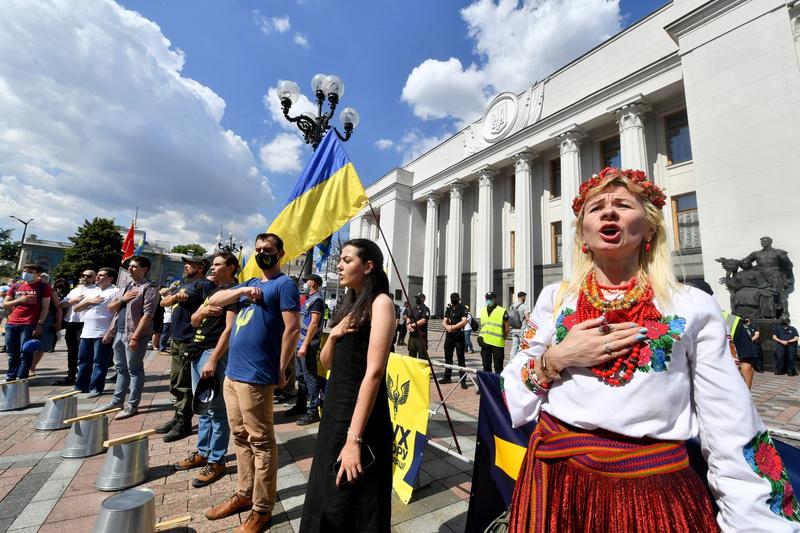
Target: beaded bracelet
point(530, 381)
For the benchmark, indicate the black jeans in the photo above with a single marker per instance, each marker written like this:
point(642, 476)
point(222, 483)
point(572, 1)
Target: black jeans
point(401, 333)
point(418, 346)
point(786, 358)
point(492, 353)
point(454, 342)
point(72, 335)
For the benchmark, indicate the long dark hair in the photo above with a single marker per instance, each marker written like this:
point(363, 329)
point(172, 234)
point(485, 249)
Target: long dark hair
point(375, 283)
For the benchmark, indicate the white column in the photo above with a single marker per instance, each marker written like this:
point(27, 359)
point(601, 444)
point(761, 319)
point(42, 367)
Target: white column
point(484, 256)
point(633, 151)
point(523, 233)
point(569, 147)
point(455, 240)
point(429, 265)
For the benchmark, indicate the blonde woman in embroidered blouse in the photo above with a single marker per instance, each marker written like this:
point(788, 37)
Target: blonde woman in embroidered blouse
point(591, 371)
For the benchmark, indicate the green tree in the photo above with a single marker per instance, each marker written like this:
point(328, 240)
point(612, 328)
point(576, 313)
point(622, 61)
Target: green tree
point(195, 249)
point(96, 244)
point(9, 251)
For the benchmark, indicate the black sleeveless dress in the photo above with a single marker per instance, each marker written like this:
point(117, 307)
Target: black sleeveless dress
point(366, 504)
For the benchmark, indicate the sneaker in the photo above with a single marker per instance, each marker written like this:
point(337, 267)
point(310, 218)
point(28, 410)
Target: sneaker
point(127, 412)
point(310, 418)
point(166, 426)
point(106, 407)
point(208, 475)
point(296, 410)
point(179, 431)
point(193, 460)
point(234, 505)
point(94, 394)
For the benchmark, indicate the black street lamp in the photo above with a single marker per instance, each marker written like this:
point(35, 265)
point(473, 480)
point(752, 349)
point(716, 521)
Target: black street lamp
point(22, 240)
point(231, 246)
point(315, 128)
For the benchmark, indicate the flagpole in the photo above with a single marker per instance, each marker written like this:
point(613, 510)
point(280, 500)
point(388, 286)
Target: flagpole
point(416, 323)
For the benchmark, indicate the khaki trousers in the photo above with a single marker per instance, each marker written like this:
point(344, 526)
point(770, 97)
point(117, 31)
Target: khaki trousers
point(250, 417)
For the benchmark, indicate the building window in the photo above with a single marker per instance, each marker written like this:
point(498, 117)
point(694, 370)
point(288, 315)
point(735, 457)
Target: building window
point(686, 222)
point(556, 242)
point(513, 249)
point(679, 145)
point(610, 152)
point(555, 178)
point(513, 192)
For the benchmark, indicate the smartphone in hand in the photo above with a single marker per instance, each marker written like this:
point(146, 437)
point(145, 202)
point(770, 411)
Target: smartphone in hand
point(367, 460)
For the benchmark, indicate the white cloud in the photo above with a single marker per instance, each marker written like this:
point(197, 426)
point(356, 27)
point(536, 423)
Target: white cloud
point(517, 43)
point(301, 40)
point(281, 24)
point(97, 119)
point(384, 144)
point(262, 22)
point(414, 143)
point(282, 154)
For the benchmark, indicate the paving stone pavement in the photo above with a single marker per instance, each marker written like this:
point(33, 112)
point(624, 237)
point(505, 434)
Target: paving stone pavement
point(40, 491)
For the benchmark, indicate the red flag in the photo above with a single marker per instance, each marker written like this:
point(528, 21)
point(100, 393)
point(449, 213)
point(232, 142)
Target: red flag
point(128, 245)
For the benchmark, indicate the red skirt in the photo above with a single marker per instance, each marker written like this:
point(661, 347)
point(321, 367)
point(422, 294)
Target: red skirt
point(575, 480)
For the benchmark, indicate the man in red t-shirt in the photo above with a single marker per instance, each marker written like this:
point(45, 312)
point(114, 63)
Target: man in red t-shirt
point(29, 302)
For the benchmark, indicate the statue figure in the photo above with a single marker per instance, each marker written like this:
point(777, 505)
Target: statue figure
point(776, 267)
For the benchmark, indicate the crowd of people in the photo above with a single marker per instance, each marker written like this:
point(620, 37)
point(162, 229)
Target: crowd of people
point(619, 361)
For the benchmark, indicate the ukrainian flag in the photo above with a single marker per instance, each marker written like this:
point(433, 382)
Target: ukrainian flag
point(327, 195)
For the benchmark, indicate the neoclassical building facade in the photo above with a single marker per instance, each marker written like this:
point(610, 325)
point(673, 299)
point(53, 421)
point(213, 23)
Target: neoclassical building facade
point(703, 96)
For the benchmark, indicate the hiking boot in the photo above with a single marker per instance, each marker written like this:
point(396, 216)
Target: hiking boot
point(235, 504)
point(179, 431)
point(208, 475)
point(310, 418)
point(166, 426)
point(193, 460)
point(127, 412)
point(297, 409)
point(256, 523)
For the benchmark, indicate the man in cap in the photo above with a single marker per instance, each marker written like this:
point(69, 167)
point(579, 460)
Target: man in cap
point(417, 326)
point(188, 297)
point(73, 323)
point(308, 382)
point(494, 329)
point(455, 318)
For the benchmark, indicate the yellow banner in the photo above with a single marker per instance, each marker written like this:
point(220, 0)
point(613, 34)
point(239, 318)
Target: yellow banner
point(408, 385)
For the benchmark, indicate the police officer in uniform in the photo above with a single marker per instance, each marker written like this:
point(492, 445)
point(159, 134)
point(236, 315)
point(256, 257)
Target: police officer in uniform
point(417, 326)
point(455, 318)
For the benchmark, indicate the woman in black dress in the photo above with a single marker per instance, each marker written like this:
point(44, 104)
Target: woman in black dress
point(350, 485)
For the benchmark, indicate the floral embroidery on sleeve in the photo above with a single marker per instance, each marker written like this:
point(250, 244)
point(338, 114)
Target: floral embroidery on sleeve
point(763, 458)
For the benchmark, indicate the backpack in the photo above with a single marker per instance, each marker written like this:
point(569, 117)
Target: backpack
point(473, 323)
point(514, 317)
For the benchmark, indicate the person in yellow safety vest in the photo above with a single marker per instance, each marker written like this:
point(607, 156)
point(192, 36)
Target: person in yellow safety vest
point(494, 328)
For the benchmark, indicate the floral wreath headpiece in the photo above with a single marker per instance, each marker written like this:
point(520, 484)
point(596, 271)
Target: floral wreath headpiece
point(650, 190)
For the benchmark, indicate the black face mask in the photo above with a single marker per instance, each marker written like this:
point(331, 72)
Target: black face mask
point(419, 301)
point(266, 261)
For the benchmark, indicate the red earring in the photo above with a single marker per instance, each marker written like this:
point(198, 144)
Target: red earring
point(585, 248)
point(647, 247)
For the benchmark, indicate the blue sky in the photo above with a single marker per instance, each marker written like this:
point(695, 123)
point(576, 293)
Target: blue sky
point(183, 129)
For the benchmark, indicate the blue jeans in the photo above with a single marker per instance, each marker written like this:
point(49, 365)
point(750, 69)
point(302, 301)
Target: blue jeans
point(130, 371)
point(165, 335)
point(468, 340)
point(93, 359)
point(213, 431)
point(18, 363)
point(308, 382)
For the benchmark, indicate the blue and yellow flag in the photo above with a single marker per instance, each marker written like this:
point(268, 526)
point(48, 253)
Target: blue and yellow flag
point(140, 245)
point(324, 252)
point(327, 195)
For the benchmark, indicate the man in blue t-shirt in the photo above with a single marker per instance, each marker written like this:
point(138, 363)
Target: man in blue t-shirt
point(308, 382)
point(263, 340)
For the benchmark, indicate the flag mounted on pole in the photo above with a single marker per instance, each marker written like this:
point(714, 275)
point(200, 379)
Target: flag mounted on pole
point(324, 252)
point(140, 246)
point(327, 195)
point(128, 245)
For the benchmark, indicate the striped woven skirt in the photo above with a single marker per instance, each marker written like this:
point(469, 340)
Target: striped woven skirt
point(574, 480)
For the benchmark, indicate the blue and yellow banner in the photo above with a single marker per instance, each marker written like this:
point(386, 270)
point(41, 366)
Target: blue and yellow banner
point(408, 385)
point(328, 194)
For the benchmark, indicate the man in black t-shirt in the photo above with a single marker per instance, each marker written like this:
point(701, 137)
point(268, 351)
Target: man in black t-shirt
point(188, 296)
point(785, 337)
point(455, 318)
point(208, 355)
point(417, 325)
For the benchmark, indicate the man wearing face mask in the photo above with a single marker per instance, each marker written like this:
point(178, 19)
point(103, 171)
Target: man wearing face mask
point(455, 318)
point(417, 326)
point(263, 340)
point(494, 329)
point(785, 337)
point(29, 302)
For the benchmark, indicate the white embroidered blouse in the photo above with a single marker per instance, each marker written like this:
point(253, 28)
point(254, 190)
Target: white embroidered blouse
point(690, 388)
